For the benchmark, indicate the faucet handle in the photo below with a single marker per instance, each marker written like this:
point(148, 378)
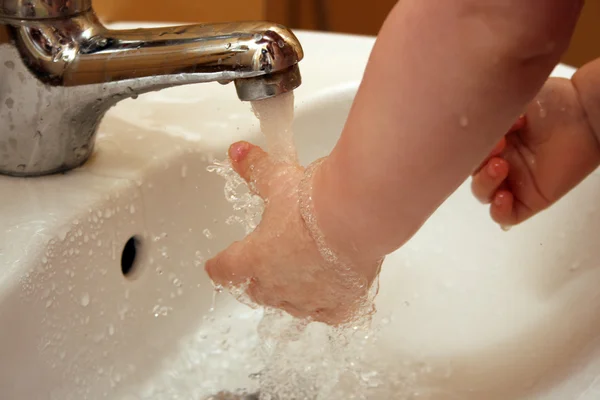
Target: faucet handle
point(42, 9)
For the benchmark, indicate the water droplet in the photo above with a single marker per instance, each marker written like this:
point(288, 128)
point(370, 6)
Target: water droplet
point(543, 111)
point(111, 329)
point(85, 299)
point(207, 233)
point(184, 171)
point(199, 259)
point(163, 252)
point(464, 121)
point(161, 311)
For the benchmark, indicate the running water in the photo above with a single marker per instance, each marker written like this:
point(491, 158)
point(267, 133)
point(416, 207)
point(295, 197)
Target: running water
point(276, 115)
point(298, 360)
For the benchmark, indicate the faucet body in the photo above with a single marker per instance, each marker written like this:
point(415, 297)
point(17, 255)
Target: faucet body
point(61, 70)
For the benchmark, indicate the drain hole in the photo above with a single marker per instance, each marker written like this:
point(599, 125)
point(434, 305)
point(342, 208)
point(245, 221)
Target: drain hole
point(129, 256)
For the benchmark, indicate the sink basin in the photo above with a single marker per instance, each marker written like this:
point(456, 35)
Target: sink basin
point(103, 292)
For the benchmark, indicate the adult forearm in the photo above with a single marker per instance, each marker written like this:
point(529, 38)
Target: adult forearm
point(587, 83)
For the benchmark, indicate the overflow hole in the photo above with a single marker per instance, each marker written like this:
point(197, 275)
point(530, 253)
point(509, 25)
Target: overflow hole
point(129, 256)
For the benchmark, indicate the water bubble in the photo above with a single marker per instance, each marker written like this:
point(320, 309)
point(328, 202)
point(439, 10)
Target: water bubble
point(111, 329)
point(207, 233)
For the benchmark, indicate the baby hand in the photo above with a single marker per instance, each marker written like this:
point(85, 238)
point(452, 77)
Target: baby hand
point(545, 154)
point(281, 263)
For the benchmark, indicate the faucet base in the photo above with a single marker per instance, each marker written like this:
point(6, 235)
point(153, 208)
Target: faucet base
point(63, 169)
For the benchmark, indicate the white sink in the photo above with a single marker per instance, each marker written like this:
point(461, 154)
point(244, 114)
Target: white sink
point(466, 311)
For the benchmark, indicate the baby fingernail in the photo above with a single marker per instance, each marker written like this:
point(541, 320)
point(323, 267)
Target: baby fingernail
point(238, 151)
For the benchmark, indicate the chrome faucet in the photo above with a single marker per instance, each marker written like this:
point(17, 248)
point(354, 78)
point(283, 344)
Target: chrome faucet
point(61, 70)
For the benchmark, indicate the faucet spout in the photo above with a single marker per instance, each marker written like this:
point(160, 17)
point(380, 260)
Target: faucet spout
point(63, 74)
point(206, 53)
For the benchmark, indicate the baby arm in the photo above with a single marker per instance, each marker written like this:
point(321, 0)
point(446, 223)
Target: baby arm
point(444, 83)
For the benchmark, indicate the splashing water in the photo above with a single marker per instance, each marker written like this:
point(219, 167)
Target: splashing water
point(298, 360)
point(247, 206)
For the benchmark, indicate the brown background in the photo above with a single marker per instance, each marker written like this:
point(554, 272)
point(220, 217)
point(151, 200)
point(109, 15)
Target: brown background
point(349, 16)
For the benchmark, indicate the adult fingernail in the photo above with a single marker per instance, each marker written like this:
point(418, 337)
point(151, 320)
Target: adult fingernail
point(499, 199)
point(493, 169)
point(238, 151)
point(520, 123)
